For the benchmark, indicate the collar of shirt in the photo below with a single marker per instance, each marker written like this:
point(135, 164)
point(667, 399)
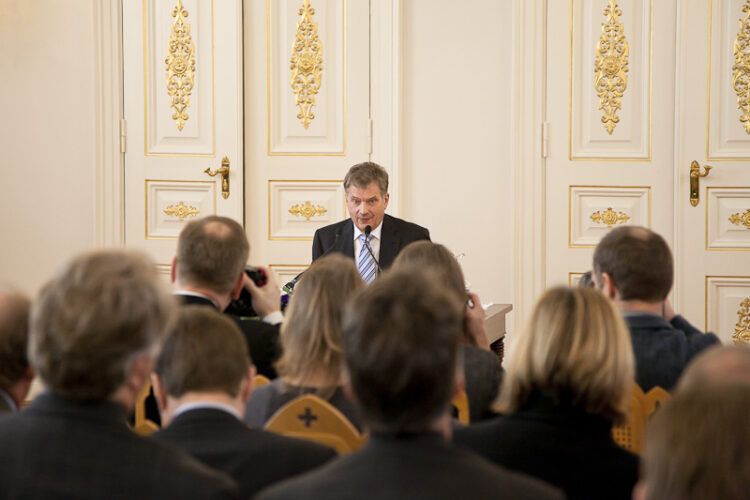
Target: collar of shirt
point(201, 405)
point(374, 242)
point(11, 404)
point(188, 293)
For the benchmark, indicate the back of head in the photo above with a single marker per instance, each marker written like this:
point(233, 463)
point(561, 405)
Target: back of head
point(638, 261)
point(698, 445)
point(401, 338)
point(93, 320)
point(14, 335)
point(212, 252)
point(718, 364)
point(434, 257)
point(362, 174)
point(205, 352)
point(576, 347)
point(311, 332)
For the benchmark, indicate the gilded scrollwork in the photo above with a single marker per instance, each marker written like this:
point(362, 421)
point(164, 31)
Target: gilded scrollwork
point(611, 66)
point(180, 63)
point(741, 333)
point(741, 219)
point(741, 68)
point(307, 210)
point(609, 217)
point(306, 64)
point(181, 211)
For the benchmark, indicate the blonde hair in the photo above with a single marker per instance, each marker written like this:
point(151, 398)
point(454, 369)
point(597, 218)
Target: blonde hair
point(311, 332)
point(576, 347)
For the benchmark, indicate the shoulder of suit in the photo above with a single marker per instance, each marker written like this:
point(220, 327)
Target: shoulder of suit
point(402, 224)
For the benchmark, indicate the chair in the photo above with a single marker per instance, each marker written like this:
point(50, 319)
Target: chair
point(461, 404)
point(142, 425)
point(631, 435)
point(260, 380)
point(313, 418)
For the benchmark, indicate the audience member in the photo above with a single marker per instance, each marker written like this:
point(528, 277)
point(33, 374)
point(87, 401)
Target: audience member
point(587, 280)
point(312, 357)
point(401, 339)
point(698, 445)
point(94, 330)
point(569, 380)
point(482, 369)
point(15, 373)
point(203, 380)
point(725, 364)
point(633, 267)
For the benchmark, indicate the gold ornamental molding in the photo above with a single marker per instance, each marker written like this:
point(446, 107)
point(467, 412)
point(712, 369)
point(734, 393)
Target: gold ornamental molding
point(307, 64)
point(741, 68)
point(609, 217)
point(611, 66)
point(180, 63)
point(741, 219)
point(181, 210)
point(307, 210)
point(741, 333)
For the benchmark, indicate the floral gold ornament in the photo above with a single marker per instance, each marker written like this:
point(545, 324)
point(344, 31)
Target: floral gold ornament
point(741, 68)
point(609, 217)
point(741, 333)
point(611, 66)
point(741, 219)
point(180, 65)
point(307, 210)
point(307, 64)
point(181, 210)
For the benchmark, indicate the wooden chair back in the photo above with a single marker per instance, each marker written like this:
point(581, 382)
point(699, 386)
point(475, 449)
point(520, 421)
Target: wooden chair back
point(260, 380)
point(632, 434)
point(461, 404)
point(142, 425)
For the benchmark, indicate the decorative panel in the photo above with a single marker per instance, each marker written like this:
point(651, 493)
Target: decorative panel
point(594, 210)
point(178, 63)
point(296, 209)
point(171, 204)
point(728, 308)
point(728, 123)
point(610, 80)
point(728, 218)
point(573, 279)
point(306, 77)
point(286, 272)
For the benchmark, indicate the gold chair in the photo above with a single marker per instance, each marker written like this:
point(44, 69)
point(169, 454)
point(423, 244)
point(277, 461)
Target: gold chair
point(313, 418)
point(461, 404)
point(631, 435)
point(142, 425)
point(260, 380)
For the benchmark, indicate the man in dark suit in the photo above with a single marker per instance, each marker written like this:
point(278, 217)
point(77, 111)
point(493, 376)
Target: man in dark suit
point(633, 267)
point(202, 381)
point(366, 187)
point(401, 339)
point(15, 372)
point(94, 330)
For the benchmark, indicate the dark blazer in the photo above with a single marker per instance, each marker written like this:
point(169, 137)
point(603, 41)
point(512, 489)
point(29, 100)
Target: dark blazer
point(5, 406)
point(483, 374)
point(414, 466)
point(396, 234)
point(662, 348)
point(560, 444)
point(57, 448)
point(253, 457)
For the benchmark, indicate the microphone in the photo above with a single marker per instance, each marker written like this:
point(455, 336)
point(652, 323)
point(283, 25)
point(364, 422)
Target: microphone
point(290, 286)
point(368, 230)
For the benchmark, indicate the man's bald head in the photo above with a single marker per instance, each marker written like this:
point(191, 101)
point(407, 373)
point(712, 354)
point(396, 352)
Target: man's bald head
point(719, 364)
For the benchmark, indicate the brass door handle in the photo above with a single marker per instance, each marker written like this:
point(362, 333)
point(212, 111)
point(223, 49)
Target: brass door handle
point(695, 175)
point(224, 171)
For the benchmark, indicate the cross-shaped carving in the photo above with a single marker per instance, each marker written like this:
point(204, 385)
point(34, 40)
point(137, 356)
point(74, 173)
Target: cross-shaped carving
point(307, 417)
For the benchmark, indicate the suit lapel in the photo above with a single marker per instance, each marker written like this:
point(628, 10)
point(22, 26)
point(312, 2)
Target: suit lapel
point(389, 242)
point(345, 244)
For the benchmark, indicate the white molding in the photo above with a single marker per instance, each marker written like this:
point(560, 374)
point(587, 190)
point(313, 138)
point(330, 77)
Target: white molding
point(108, 160)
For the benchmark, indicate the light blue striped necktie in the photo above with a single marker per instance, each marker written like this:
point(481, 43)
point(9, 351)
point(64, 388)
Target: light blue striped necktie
point(366, 263)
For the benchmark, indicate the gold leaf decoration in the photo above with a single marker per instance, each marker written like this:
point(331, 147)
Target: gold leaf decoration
point(611, 66)
point(307, 64)
point(741, 68)
point(741, 333)
point(609, 217)
point(741, 219)
point(307, 210)
point(180, 65)
point(181, 210)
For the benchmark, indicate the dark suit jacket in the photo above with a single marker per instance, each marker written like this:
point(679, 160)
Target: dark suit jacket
point(560, 444)
point(396, 234)
point(483, 374)
point(414, 466)
point(5, 406)
point(662, 349)
point(253, 457)
point(57, 448)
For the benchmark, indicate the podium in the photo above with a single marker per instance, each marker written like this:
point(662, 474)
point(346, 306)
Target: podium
point(494, 325)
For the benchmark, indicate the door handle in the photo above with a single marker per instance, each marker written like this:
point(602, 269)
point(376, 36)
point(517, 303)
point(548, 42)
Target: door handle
point(224, 171)
point(695, 175)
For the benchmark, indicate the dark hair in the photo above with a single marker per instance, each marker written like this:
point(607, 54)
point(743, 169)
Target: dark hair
point(206, 351)
point(586, 280)
point(362, 174)
point(638, 261)
point(401, 338)
point(212, 252)
point(14, 338)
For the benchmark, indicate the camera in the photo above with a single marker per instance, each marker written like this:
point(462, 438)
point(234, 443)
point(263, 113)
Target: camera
point(243, 306)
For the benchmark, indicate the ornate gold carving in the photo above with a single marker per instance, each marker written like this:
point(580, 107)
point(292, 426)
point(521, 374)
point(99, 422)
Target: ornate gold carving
point(307, 210)
point(741, 333)
point(741, 219)
point(307, 64)
point(181, 210)
point(609, 217)
point(611, 66)
point(741, 68)
point(180, 65)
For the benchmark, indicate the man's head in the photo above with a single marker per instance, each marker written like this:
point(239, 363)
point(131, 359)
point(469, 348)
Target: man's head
point(96, 325)
point(211, 254)
point(366, 187)
point(698, 445)
point(15, 372)
point(634, 263)
point(401, 338)
point(718, 364)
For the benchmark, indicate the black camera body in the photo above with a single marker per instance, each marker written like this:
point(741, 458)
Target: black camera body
point(243, 306)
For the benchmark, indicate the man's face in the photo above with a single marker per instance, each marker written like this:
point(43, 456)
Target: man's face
point(366, 205)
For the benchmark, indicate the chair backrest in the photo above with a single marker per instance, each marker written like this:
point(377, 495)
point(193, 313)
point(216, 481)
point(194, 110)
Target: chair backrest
point(631, 435)
point(143, 426)
point(260, 380)
point(461, 404)
point(313, 418)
